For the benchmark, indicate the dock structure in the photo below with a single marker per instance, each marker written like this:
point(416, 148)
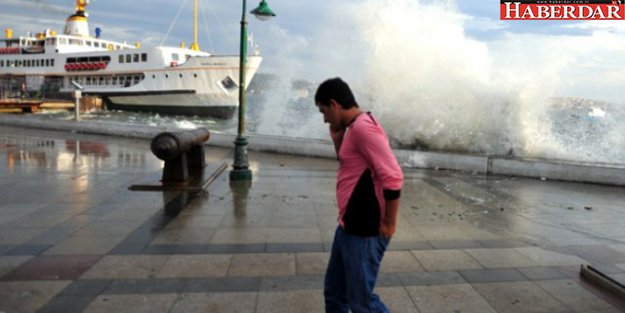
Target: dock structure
point(25, 105)
point(36, 105)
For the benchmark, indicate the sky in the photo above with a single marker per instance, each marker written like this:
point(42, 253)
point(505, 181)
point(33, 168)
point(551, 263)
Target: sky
point(315, 39)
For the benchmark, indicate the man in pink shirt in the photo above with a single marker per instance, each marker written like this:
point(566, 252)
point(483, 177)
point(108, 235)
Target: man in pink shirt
point(369, 182)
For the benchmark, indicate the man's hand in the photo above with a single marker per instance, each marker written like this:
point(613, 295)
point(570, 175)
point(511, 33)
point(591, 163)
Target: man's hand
point(387, 227)
point(387, 230)
point(336, 133)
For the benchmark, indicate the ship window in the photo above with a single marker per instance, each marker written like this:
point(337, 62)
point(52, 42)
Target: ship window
point(62, 41)
point(47, 62)
point(166, 75)
point(228, 83)
point(144, 57)
point(180, 75)
point(96, 44)
point(135, 57)
point(1, 63)
point(175, 57)
point(51, 62)
point(88, 81)
point(195, 75)
point(101, 80)
point(128, 58)
point(89, 43)
point(153, 76)
point(121, 58)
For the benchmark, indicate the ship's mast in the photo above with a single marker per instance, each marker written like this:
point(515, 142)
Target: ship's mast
point(77, 24)
point(194, 45)
point(81, 5)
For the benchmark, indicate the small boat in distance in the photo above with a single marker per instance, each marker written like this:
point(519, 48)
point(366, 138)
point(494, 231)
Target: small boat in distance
point(167, 80)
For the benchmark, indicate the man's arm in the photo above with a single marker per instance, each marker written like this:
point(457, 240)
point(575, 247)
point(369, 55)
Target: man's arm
point(337, 138)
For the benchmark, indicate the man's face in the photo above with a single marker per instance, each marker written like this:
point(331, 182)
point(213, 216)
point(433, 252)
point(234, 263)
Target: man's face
point(331, 114)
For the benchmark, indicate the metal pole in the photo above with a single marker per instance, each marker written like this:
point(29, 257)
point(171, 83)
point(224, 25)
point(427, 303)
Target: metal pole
point(241, 170)
point(76, 106)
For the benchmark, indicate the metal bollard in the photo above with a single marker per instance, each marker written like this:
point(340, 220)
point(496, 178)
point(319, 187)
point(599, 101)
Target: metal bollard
point(181, 151)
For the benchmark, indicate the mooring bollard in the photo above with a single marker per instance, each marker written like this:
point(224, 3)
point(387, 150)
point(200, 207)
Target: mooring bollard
point(181, 151)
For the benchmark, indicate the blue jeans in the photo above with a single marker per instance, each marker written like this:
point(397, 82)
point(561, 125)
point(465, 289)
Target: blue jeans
point(352, 272)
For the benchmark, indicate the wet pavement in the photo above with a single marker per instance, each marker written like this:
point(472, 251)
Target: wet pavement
point(74, 238)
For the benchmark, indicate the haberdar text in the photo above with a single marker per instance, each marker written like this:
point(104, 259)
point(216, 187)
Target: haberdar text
point(537, 11)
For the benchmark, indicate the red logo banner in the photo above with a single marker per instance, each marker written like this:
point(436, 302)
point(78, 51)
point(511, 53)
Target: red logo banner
point(563, 10)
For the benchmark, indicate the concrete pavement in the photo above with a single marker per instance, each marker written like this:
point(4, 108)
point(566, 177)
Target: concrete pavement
point(73, 238)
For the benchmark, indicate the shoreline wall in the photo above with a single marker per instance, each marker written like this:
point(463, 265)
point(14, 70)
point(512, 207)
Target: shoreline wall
point(608, 174)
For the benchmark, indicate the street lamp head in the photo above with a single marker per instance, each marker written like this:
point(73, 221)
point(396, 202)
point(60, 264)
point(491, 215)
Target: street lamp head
point(263, 12)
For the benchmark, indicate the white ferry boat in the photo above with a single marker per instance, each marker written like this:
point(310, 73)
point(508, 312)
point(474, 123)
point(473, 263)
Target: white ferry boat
point(169, 80)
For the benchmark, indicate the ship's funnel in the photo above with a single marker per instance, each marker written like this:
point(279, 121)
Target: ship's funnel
point(8, 33)
point(76, 24)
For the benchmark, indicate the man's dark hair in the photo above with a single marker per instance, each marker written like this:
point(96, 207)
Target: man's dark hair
point(337, 89)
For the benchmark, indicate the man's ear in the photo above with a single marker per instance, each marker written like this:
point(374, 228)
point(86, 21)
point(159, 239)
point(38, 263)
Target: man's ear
point(335, 105)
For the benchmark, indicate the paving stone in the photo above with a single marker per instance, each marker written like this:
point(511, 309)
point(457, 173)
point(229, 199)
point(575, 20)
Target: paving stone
point(229, 284)
point(53, 267)
point(10, 262)
point(27, 296)
point(294, 235)
point(492, 275)
point(445, 260)
point(431, 278)
point(400, 261)
point(396, 299)
point(239, 302)
point(519, 297)
point(500, 258)
point(443, 233)
point(67, 304)
point(177, 266)
point(550, 258)
point(298, 301)
point(240, 236)
point(84, 245)
point(573, 295)
point(448, 298)
point(245, 265)
point(126, 267)
point(313, 263)
point(184, 236)
point(139, 303)
point(541, 273)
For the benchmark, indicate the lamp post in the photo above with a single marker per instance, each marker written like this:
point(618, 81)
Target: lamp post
point(241, 167)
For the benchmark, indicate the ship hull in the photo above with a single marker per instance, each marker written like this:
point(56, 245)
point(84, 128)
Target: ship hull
point(173, 103)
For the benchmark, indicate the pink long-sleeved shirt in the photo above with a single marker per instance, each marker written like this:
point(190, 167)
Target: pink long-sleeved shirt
point(368, 175)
